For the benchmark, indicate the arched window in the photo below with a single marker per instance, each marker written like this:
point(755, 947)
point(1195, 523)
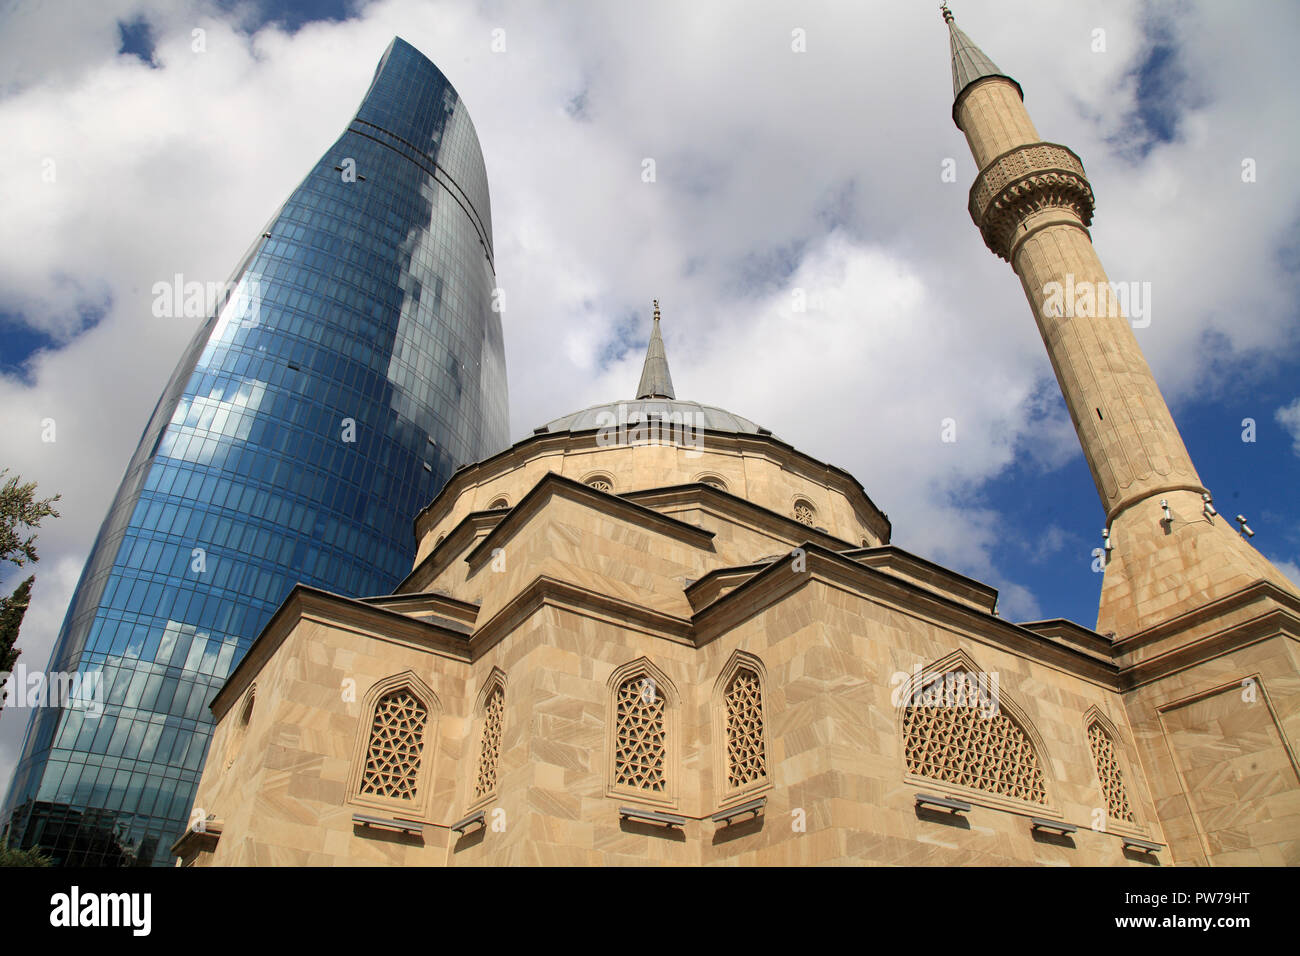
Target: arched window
point(642, 743)
point(395, 745)
point(738, 701)
point(804, 512)
point(746, 748)
point(1106, 759)
point(240, 730)
point(392, 766)
point(498, 504)
point(600, 482)
point(958, 729)
point(492, 706)
point(713, 481)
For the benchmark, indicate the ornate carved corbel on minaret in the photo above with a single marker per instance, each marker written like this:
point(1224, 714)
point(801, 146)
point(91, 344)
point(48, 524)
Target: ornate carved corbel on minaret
point(1170, 554)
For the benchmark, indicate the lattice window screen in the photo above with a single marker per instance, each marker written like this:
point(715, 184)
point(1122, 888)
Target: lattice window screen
point(640, 736)
point(396, 742)
point(491, 749)
point(805, 513)
point(959, 744)
point(1108, 772)
point(746, 755)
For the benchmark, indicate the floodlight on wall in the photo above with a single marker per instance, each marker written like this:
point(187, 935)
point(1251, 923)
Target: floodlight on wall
point(1245, 528)
point(1052, 826)
point(1209, 506)
point(479, 817)
point(942, 803)
point(1105, 535)
point(668, 820)
point(1142, 846)
point(1164, 506)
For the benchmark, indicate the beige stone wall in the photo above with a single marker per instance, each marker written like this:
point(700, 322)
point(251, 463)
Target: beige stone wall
point(1216, 741)
point(838, 788)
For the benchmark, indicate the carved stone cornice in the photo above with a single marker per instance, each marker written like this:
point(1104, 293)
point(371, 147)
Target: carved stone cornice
point(1023, 181)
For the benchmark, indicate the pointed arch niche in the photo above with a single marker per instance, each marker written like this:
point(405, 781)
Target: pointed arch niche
point(952, 740)
point(740, 705)
point(396, 743)
point(642, 734)
point(1113, 771)
point(489, 722)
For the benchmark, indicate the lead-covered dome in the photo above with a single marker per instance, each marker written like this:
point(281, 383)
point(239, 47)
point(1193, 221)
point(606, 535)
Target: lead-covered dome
point(655, 400)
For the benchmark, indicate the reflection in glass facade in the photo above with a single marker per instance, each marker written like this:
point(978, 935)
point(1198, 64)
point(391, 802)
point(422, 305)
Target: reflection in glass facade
point(356, 364)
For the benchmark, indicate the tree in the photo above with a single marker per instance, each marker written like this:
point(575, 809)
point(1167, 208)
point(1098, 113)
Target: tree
point(32, 857)
point(21, 512)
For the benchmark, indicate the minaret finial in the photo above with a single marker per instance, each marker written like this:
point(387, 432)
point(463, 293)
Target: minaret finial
point(655, 380)
point(947, 14)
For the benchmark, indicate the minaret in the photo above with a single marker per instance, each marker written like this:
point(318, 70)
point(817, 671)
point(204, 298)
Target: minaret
point(655, 380)
point(1169, 552)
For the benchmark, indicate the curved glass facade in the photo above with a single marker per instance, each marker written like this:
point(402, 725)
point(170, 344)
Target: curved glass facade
point(356, 361)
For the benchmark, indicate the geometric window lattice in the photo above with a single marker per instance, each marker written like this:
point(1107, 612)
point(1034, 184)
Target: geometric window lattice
point(746, 757)
point(639, 736)
point(396, 741)
point(804, 513)
point(601, 484)
point(1112, 779)
point(491, 749)
point(498, 504)
point(958, 744)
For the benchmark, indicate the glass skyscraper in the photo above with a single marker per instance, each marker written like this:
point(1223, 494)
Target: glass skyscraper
point(355, 360)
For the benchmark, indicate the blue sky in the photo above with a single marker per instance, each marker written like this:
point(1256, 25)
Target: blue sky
point(777, 172)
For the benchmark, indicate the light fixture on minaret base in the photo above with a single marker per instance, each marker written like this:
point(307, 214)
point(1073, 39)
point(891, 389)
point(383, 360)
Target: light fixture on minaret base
point(1168, 515)
point(1209, 507)
point(1245, 528)
point(1110, 545)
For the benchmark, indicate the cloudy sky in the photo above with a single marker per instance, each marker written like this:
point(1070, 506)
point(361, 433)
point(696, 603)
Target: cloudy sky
point(799, 149)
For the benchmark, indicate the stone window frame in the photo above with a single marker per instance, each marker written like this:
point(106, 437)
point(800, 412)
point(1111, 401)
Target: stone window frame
point(499, 503)
point(960, 660)
point(495, 680)
point(727, 794)
point(1132, 781)
point(239, 729)
point(806, 502)
point(600, 476)
point(712, 480)
point(644, 668)
point(419, 808)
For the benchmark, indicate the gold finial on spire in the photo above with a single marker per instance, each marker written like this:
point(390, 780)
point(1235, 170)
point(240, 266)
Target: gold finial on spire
point(947, 14)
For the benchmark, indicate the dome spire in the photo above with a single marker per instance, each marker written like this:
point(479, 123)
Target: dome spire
point(968, 61)
point(655, 380)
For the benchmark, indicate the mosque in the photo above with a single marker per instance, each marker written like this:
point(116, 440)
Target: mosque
point(654, 632)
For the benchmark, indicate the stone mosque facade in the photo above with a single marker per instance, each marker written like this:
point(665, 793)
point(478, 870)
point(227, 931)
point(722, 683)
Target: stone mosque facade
point(653, 632)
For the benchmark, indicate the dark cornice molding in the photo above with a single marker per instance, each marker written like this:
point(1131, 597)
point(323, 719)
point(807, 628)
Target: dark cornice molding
point(553, 485)
point(305, 601)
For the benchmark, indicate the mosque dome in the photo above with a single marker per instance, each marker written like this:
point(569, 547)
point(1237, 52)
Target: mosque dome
point(655, 400)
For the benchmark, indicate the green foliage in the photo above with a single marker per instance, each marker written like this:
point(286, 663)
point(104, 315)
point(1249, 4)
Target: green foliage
point(32, 857)
point(20, 513)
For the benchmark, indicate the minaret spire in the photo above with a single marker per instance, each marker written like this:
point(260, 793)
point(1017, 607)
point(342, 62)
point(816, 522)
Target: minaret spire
point(968, 61)
point(655, 380)
point(1033, 203)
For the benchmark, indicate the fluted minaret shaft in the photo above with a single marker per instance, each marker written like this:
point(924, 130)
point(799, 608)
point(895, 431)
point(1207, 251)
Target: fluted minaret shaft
point(1033, 204)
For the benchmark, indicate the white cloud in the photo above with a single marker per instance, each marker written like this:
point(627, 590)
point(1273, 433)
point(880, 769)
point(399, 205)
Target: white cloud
point(1288, 416)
